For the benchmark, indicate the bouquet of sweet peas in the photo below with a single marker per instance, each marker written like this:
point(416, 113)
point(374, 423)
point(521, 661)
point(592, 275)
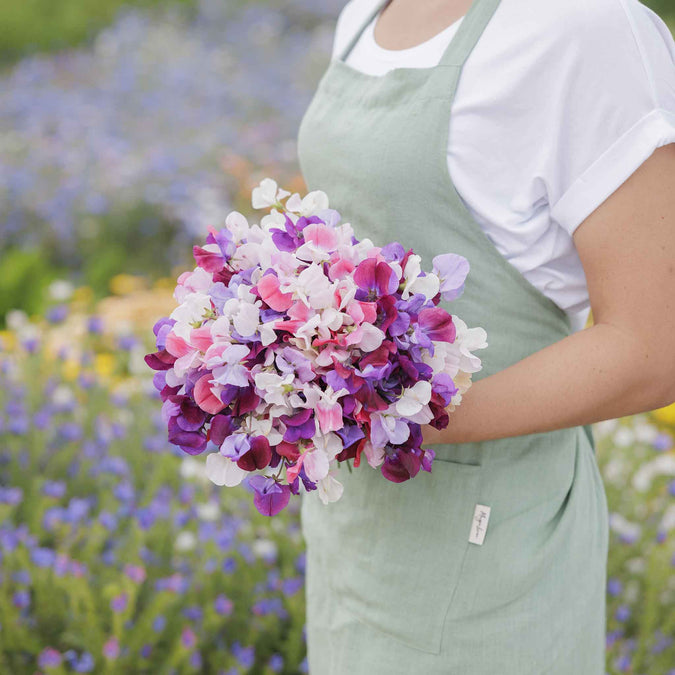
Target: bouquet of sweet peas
point(296, 347)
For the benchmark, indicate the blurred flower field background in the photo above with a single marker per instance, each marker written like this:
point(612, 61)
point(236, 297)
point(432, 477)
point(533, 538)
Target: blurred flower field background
point(125, 130)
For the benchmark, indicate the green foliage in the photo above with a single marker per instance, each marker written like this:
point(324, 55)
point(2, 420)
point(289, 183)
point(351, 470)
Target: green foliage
point(24, 277)
point(664, 8)
point(39, 25)
point(137, 240)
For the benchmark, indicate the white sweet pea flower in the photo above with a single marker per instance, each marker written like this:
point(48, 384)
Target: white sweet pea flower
point(191, 310)
point(273, 220)
point(311, 392)
point(469, 339)
point(329, 443)
point(264, 426)
point(267, 194)
point(329, 489)
point(238, 226)
point(255, 251)
point(371, 337)
point(274, 388)
point(331, 319)
point(313, 287)
point(222, 470)
point(267, 334)
point(414, 399)
point(220, 329)
point(307, 332)
point(309, 205)
point(244, 311)
point(428, 285)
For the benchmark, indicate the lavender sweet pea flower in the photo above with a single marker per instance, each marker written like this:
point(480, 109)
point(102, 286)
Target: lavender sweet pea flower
point(220, 294)
point(393, 252)
point(386, 429)
point(223, 238)
point(292, 361)
point(452, 270)
point(232, 371)
point(161, 329)
point(235, 445)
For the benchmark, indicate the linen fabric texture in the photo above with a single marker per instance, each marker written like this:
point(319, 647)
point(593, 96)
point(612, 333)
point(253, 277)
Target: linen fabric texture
point(393, 585)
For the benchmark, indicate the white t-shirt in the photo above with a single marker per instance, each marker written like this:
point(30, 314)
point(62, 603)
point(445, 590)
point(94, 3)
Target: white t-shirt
point(559, 102)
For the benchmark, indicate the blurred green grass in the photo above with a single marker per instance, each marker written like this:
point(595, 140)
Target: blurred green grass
point(31, 26)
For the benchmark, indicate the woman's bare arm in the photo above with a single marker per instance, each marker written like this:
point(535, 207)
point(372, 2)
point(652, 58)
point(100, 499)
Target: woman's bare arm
point(623, 364)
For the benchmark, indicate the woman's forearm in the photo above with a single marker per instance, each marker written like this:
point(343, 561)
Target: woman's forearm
point(594, 374)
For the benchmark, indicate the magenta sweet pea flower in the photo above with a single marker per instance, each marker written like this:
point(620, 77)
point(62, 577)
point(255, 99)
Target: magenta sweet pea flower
point(376, 278)
point(437, 324)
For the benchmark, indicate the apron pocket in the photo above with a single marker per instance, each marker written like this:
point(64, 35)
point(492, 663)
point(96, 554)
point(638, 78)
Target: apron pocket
point(394, 552)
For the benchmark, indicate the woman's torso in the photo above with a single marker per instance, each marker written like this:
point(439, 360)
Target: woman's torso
point(501, 142)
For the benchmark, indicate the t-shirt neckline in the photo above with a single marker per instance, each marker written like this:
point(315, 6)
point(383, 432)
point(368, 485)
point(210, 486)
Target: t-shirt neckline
point(396, 54)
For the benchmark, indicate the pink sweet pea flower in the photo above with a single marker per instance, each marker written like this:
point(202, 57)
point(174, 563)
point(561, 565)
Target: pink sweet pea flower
point(268, 287)
point(204, 396)
point(329, 410)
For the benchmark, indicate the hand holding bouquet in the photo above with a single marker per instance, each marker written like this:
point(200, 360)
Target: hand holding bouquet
point(295, 347)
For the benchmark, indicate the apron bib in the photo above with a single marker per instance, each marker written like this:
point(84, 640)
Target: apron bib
point(393, 583)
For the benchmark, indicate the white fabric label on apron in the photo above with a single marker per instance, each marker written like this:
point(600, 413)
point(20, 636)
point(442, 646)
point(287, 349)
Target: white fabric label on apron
point(481, 515)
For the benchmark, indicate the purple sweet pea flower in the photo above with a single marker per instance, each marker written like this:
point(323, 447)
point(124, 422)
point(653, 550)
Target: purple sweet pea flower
point(350, 434)
point(444, 385)
point(193, 443)
point(300, 425)
point(270, 497)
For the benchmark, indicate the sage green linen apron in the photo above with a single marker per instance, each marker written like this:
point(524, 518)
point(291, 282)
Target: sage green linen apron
point(393, 584)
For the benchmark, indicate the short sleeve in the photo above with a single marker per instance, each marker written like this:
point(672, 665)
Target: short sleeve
point(613, 105)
